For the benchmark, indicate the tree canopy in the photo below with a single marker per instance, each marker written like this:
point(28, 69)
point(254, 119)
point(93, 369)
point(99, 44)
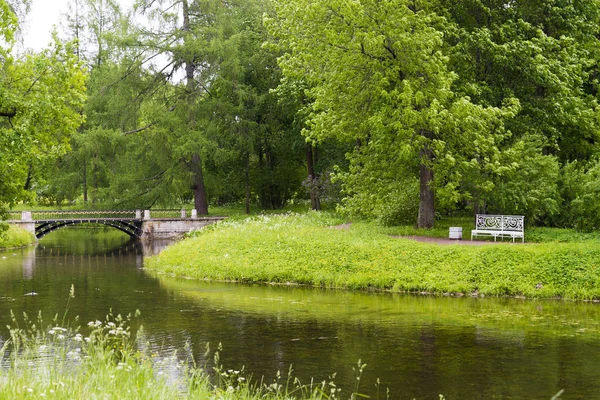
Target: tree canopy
point(40, 98)
point(412, 108)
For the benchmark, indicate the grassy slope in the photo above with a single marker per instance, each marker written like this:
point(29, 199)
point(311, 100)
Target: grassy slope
point(305, 249)
point(15, 237)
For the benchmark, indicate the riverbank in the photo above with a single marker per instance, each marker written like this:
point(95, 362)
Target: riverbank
point(307, 249)
point(15, 237)
point(102, 360)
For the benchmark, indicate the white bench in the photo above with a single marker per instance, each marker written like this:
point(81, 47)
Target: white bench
point(512, 226)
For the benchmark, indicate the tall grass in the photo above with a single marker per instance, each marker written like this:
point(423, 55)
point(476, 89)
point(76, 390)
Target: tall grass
point(102, 360)
point(307, 249)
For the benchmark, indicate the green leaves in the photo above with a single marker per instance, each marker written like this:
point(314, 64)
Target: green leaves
point(8, 23)
point(40, 100)
point(378, 74)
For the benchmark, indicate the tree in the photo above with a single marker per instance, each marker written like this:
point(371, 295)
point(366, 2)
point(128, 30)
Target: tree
point(224, 129)
point(544, 53)
point(115, 78)
point(378, 78)
point(40, 95)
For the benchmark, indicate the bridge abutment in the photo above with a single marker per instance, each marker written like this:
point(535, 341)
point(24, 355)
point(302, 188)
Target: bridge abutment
point(170, 228)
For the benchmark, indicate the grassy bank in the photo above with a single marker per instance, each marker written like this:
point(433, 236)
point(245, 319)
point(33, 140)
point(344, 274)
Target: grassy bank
point(102, 361)
point(307, 249)
point(15, 237)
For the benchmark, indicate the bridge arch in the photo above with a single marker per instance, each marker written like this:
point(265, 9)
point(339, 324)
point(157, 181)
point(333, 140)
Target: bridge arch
point(132, 228)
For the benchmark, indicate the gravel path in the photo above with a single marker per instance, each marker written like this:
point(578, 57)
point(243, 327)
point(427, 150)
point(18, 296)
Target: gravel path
point(427, 239)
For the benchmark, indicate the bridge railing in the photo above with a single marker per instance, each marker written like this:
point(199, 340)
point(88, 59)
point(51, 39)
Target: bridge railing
point(14, 215)
point(83, 214)
point(100, 214)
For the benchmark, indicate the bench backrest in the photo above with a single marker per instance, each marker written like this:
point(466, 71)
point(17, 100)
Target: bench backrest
point(515, 223)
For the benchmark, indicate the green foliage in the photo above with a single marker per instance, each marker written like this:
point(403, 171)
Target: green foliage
point(40, 98)
point(543, 235)
point(497, 101)
point(392, 200)
point(222, 127)
point(310, 250)
point(378, 77)
point(586, 209)
point(14, 236)
point(541, 52)
point(513, 191)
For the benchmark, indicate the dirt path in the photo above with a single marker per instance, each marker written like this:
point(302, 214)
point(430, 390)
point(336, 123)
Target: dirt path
point(427, 239)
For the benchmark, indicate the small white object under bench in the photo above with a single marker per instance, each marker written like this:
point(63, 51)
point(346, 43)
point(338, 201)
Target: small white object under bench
point(512, 226)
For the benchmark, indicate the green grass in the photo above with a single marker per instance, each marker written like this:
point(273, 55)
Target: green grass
point(101, 361)
point(532, 234)
point(15, 237)
point(305, 249)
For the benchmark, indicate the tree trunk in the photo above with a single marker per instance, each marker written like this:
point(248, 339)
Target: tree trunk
point(84, 183)
point(94, 180)
point(479, 207)
point(426, 216)
point(200, 203)
point(247, 182)
point(315, 201)
point(27, 185)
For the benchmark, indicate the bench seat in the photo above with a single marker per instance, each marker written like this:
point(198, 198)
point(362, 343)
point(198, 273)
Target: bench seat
point(511, 226)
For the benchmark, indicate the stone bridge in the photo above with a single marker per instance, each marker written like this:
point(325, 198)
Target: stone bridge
point(146, 224)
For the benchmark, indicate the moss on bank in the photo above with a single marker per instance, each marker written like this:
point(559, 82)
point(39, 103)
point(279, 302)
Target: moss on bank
point(15, 237)
point(306, 249)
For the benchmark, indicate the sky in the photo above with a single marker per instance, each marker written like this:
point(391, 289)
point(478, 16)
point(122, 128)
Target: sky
point(44, 14)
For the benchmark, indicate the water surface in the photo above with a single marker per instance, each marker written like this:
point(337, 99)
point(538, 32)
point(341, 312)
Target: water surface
point(418, 347)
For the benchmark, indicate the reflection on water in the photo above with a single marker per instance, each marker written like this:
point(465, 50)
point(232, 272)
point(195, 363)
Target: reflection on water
point(417, 346)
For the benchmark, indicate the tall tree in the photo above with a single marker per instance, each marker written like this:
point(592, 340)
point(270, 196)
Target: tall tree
point(40, 95)
point(379, 78)
point(222, 125)
point(545, 54)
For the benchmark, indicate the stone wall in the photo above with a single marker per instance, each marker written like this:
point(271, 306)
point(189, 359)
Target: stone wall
point(170, 228)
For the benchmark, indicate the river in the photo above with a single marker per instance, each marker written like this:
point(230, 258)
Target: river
point(416, 346)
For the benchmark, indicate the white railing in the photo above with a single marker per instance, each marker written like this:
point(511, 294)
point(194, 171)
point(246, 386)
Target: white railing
point(27, 216)
point(512, 226)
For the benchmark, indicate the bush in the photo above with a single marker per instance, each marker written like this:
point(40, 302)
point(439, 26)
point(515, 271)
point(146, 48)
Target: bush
point(15, 236)
point(580, 190)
